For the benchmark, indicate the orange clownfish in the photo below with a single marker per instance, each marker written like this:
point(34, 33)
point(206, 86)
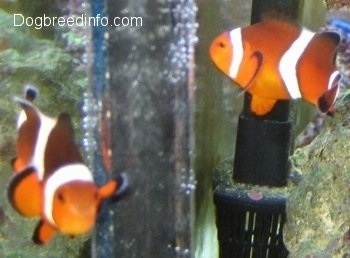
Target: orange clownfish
point(51, 180)
point(278, 60)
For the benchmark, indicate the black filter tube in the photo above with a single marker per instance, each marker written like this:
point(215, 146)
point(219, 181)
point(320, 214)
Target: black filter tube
point(262, 146)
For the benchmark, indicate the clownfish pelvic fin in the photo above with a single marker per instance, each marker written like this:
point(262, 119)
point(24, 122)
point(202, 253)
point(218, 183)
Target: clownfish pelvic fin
point(43, 233)
point(261, 106)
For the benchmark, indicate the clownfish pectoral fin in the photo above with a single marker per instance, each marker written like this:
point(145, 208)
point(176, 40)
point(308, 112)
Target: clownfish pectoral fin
point(43, 233)
point(123, 184)
point(255, 64)
point(115, 188)
point(326, 101)
point(17, 164)
point(24, 193)
point(108, 189)
point(14, 164)
point(261, 106)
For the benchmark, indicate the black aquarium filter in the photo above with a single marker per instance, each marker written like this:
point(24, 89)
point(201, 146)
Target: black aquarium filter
point(248, 228)
point(249, 219)
point(262, 147)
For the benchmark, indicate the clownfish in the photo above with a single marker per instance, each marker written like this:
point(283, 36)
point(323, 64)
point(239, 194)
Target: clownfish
point(51, 181)
point(278, 60)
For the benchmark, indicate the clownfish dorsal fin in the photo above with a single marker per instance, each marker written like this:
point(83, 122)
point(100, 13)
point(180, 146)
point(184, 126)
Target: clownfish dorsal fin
point(64, 124)
point(61, 145)
point(333, 39)
point(277, 16)
point(24, 193)
point(261, 106)
point(43, 233)
point(332, 36)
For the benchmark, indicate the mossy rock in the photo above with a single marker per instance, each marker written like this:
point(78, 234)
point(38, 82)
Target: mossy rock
point(318, 210)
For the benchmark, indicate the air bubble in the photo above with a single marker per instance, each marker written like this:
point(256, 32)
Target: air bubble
point(181, 49)
point(90, 111)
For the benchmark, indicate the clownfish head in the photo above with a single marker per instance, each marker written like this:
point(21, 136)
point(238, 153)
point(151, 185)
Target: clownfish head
point(72, 199)
point(76, 204)
point(75, 207)
point(220, 52)
point(226, 51)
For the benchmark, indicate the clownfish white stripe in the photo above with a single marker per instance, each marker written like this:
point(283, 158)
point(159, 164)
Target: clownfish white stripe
point(63, 175)
point(46, 126)
point(288, 63)
point(333, 77)
point(236, 37)
point(21, 119)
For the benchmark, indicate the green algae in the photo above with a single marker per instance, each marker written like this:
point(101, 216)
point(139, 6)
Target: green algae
point(25, 59)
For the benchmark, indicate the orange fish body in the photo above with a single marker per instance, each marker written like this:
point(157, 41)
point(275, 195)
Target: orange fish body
point(277, 60)
point(51, 180)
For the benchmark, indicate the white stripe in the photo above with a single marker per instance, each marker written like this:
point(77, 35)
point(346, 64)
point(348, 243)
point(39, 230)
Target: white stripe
point(60, 177)
point(22, 117)
point(289, 60)
point(237, 53)
point(331, 79)
point(46, 126)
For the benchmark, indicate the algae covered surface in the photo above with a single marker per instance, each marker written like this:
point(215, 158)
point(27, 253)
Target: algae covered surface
point(25, 59)
point(318, 210)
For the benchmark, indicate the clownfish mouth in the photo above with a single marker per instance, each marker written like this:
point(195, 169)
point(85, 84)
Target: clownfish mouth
point(78, 226)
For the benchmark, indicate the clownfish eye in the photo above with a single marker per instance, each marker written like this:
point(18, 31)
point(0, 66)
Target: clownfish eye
point(60, 197)
point(221, 44)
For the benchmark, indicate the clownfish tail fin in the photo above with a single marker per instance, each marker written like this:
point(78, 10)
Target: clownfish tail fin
point(24, 103)
point(43, 233)
point(30, 92)
point(326, 101)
